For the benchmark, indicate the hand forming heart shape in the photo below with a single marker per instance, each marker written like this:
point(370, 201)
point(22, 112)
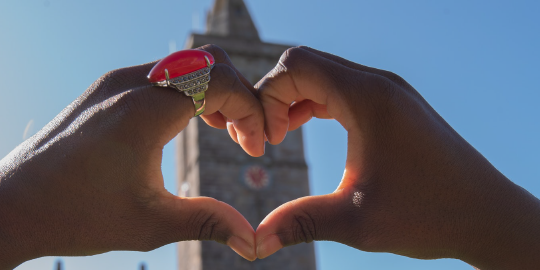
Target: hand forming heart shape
point(91, 179)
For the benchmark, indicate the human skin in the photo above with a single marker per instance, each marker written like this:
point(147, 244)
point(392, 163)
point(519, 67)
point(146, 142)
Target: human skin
point(411, 186)
point(90, 181)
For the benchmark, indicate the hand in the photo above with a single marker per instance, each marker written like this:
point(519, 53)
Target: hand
point(90, 181)
point(411, 186)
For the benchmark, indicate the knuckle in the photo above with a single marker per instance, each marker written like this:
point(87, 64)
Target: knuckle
point(380, 90)
point(115, 78)
point(376, 83)
point(303, 47)
point(255, 108)
point(235, 84)
point(224, 71)
point(288, 63)
point(219, 54)
point(292, 56)
point(208, 226)
point(304, 228)
point(227, 77)
point(395, 78)
point(109, 83)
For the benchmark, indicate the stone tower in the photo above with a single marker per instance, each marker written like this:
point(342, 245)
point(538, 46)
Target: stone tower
point(211, 164)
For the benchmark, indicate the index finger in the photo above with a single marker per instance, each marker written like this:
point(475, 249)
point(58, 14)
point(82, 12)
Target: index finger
point(217, 120)
point(227, 95)
point(301, 75)
point(169, 111)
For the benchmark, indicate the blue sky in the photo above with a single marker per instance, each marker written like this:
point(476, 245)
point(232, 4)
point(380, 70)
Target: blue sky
point(474, 61)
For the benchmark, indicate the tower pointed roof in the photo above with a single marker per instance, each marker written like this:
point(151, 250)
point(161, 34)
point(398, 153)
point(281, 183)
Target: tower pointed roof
point(231, 18)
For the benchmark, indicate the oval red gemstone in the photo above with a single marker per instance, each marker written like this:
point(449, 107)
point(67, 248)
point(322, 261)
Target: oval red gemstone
point(179, 63)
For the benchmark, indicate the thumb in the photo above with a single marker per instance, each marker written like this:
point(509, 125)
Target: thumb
point(303, 220)
point(204, 218)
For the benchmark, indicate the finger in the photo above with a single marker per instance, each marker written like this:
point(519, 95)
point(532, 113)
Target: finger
point(163, 112)
point(221, 56)
point(387, 74)
point(215, 120)
point(167, 112)
point(229, 96)
point(204, 218)
point(302, 112)
point(232, 131)
point(302, 75)
point(303, 220)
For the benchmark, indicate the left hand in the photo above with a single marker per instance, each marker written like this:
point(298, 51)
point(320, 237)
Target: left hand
point(411, 186)
point(90, 181)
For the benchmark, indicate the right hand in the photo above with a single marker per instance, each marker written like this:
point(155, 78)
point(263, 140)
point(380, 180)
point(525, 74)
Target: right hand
point(90, 181)
point(412, 185)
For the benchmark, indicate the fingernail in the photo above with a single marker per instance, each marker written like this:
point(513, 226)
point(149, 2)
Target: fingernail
point(238, 137)
point(268, 246)
point(242, 248)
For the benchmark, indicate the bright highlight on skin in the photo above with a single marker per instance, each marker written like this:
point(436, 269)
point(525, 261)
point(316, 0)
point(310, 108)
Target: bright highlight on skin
point(357, 198)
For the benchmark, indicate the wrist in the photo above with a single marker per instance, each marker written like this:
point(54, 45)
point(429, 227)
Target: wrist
point(18, 232)
point(12, 252)
point(505, 232)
